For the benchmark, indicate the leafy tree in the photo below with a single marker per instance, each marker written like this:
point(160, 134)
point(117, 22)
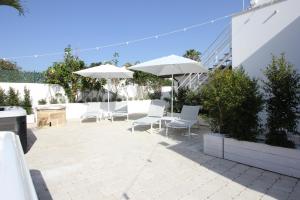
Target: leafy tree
point(193, 54)
point(115, 59)
point(155, 95)
point(53, 101)
point(128, 64)
point(12, 97)
point(281, 87)
point(8, 65)
point(184, 96)
point(42, 102)
point(62, 73)
point(233, 102)
point(26, 104)
point(90, 84)
point(95, 64)
point(18, 76)
point(14, 4)
point(2, 97)
point(147, 79)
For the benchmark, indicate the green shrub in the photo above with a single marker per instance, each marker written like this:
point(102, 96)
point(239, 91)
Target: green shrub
point(2, 97)
point(155, 95)
point(12, 97)
point(184, 96)
point(53, 101)
point(60, 98)
point(26, 104)
point(279, 138)
point(233, 102)
point(113, 96)
point(281, 87)
point(42, 102)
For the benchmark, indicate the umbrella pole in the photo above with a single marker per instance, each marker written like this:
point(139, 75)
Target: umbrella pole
point(172, 95)
point(108, 95)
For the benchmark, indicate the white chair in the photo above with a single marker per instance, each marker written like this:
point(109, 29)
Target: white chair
point(104, 112)
point(120, 110)
point(187, 118)
point(92, 111)
point(155, 113)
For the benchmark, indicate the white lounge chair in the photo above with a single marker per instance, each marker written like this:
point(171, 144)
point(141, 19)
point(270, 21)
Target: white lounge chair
point(120, 110)
point(156, 112)
point(92, 111)
point(187, 118)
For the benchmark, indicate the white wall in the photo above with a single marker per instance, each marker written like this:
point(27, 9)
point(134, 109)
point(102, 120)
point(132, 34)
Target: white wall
point(75, 110)
point(37, 90)
point(47, 91)
point(258, 33)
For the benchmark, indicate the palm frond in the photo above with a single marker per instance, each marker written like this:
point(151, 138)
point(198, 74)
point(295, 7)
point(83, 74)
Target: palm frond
point(14, 4)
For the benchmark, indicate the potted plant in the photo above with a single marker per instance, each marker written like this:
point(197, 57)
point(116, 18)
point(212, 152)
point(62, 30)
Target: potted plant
point(233, 101)
point(26, 104)
point(282, 93)
point(42, 102)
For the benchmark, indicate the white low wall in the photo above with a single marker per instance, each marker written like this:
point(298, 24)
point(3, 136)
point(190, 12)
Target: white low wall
point(75, 110)
point(16, 182)
point(37, 90)
point(277, 159)
point(40, 91)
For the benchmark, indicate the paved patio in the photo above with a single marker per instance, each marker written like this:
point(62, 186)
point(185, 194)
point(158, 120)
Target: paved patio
point(105, 161)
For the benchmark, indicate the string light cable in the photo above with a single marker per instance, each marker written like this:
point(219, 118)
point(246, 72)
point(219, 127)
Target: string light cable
point(126, 43)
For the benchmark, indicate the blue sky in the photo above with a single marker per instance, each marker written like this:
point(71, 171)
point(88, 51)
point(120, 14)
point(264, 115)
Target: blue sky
point(49, 26)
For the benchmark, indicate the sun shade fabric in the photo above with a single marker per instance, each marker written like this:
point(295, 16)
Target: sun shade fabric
point(106, 71)
point(170, 65)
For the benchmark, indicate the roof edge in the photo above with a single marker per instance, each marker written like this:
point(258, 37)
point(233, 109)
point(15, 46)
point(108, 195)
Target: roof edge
point(258, 7)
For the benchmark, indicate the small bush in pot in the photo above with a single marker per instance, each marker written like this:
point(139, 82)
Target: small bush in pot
point(53, 101)
point(12, 97)
point(2, 97)
point(281, 87)
point(155, 95)
point(26, 104)
point(42, 102)
point(233, 102)
point(184, 96)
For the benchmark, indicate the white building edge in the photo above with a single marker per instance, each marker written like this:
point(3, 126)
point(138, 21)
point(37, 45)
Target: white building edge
point(269, 27)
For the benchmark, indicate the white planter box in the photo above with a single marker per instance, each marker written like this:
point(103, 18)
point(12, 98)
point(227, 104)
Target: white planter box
point(277, 159)
point(213, 145)
point(30, 119)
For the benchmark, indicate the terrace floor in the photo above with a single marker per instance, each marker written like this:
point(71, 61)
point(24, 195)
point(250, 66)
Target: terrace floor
point(105, 161)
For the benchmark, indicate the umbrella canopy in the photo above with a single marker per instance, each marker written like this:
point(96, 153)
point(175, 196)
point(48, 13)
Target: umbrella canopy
point(170, 65)
point(105, 71)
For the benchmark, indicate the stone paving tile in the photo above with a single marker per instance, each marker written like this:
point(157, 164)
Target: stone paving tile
point(278, 194)
point(105, 161)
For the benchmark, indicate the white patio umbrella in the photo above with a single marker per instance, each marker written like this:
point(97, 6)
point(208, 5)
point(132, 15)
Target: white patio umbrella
point(170, 65)
point(106, 71)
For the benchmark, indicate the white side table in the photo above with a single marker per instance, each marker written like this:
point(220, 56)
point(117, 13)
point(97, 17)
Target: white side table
point(168, 119)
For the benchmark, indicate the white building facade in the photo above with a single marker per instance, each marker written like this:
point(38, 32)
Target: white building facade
point(269, 27)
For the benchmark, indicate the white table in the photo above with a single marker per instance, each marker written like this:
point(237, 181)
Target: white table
point(168, 119)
